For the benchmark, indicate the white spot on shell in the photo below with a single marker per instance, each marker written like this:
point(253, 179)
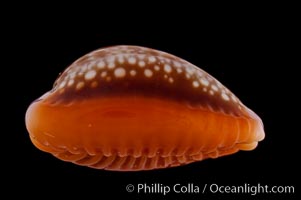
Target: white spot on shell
point(70, 82)
point(205, 89)
point(225, 96)
point(72, 75)
point(179, 70)
point(133, 73)
point(91, 65)
point(165, 76)
point(80, 85)
point(84, 68)
point(103, 74)
point(195, 84)
point(132, 60)
point(111, 65)
point(170, 80)
point(141, 63)
point(167, 68)
point(156, 67)
point(101, 64)
point(62, 85)
point(200, 73)
point(204, 81)
point(233, 98)
point(120, 59)
point(111, 59)
point(214, 88)
point(209, 78)
point(151, 59)
point(90, 74)
point(211, 92)
point(119, 72)
point(189, 70)
point(148, 73)
point(177, 64)
point(219, 85)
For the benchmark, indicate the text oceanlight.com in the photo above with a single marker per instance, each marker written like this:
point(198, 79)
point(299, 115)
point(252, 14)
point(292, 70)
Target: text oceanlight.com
point(192, 188)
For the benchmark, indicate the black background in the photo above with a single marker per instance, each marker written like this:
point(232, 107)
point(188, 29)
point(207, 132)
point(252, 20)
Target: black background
point(250, 56)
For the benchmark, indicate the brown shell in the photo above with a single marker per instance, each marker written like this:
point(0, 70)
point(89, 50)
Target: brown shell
point(121, 81)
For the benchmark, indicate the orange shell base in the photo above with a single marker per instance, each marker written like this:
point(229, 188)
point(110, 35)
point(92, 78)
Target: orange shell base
point(137, 133)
